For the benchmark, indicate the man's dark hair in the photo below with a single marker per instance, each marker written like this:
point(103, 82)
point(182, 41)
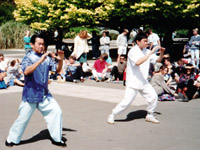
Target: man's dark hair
point(168, 59)
point(123, 56)
point(33, 38)
point(13, 62)
point(140, 36)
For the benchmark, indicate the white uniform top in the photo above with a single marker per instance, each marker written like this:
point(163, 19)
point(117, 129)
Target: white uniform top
point(136, 76)
point(153, 38)
point(122, 40)
point(104, 41)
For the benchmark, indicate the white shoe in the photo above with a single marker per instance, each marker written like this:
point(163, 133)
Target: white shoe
point(151, 118)
point(109, 80)
point(111, 119)
point(60, 81)
point(75, 81)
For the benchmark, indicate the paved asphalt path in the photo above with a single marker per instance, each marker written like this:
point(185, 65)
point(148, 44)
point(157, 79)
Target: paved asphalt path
point(85, 127)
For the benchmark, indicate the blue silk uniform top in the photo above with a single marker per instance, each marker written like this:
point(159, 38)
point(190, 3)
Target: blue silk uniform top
point(36, 83)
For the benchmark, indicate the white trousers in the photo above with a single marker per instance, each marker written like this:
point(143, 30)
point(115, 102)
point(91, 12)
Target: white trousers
point(105, 50)
point(51, 113)
point(97, 74)
point(147, 92)
point(122, 50)
point(195, 53)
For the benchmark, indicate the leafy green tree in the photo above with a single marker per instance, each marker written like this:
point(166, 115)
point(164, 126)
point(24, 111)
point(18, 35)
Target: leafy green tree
point(6, 10)
point(162, 15)
point(159, 14)
point(48, 14)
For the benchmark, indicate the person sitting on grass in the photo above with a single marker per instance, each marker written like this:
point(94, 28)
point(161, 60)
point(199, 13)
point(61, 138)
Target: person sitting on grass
point(2, 82)
point(118, 71)
point(100, 68)
point(3, 63)
point(160, 86)
point(14, 73)
point(186, 81)
point(74, 71)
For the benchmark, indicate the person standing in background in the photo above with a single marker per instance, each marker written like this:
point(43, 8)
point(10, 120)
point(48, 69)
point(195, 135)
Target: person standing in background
point(81, 46)
point(105, 43)
point(194, 47)
point(95, 45)
point(27, 40)
point(153, 39)
point(122, 43)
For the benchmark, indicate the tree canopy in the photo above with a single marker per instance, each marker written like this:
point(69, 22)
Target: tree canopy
point(6, 9)
point(163, 15)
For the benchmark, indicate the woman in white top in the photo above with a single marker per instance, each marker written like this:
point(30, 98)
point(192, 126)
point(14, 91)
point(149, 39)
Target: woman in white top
point(81, 46)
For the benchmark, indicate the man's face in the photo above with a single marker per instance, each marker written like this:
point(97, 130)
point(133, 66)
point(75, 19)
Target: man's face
point(166, 62)
point(122, 59)
point(195, 32)
point(39, 46)
point(143, 43)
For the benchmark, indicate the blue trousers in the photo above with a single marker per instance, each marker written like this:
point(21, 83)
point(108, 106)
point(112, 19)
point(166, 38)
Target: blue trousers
point(51, 112)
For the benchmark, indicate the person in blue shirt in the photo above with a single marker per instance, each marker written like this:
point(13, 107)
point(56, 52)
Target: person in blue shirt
point(27, 41)
point(36, 66)
point(2, 76)
point(74, 70)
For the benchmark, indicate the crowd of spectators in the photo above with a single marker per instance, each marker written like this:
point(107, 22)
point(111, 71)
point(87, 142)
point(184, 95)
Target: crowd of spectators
point(171, 80)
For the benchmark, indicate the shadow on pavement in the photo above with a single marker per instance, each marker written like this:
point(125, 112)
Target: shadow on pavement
point(44, 135)
point(134, 115)
point(139, 114)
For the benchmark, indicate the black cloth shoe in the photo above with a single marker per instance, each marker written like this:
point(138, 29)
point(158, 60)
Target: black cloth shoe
point(11, 144)
point(61, 144)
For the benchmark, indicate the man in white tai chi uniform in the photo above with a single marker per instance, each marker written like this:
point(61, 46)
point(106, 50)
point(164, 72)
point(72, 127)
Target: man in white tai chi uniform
point(139, 59)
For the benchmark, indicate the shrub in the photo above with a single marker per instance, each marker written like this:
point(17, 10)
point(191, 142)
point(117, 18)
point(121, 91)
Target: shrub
point(182, 33)
point(113, 36)
point(11, 34)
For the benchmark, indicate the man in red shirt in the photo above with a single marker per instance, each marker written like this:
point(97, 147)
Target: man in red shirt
point(100, 68)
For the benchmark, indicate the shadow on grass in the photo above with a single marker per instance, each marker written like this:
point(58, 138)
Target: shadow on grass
point(44, 135)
